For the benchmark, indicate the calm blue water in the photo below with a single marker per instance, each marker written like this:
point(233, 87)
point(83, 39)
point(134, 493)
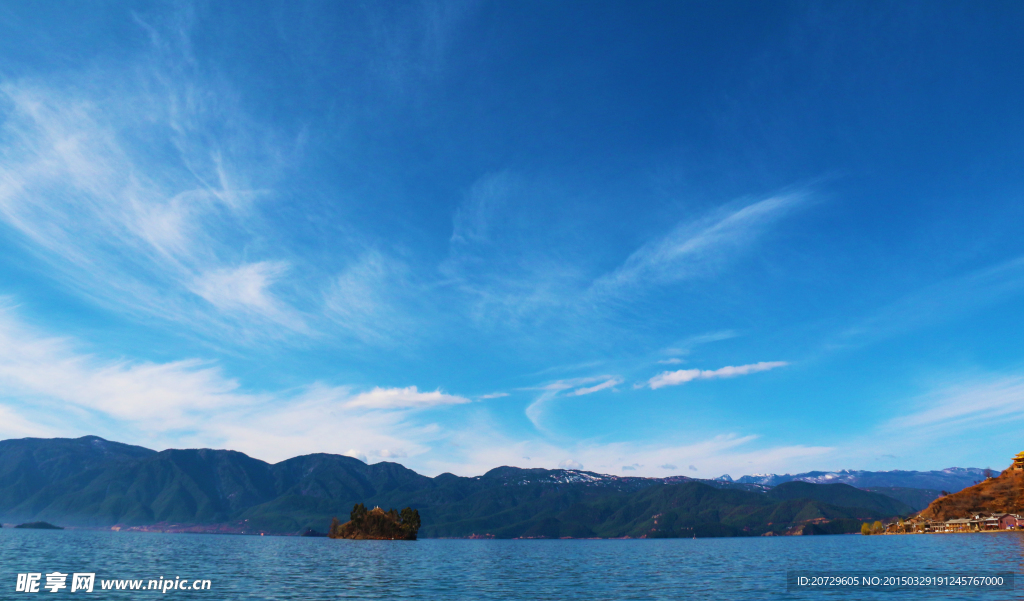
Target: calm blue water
point(253, 567)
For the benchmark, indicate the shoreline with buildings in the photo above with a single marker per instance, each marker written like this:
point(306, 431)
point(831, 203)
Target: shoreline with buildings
point(992, 505)
point(996, 522)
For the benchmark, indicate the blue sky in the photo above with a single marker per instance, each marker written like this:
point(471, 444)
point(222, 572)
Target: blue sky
point(642, 238)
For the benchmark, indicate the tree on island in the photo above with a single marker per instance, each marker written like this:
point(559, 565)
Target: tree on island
point(411, 517)
point(377, 524)
point(358, 513)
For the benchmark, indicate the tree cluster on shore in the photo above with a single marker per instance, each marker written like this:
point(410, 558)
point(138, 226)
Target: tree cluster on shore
point(377, 524)
point(875, 528)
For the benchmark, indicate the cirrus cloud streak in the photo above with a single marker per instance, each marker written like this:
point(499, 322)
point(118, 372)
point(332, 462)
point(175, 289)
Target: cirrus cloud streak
point(682, 376)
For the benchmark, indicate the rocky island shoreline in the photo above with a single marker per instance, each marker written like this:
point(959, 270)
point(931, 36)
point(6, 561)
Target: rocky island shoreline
point(377, 524)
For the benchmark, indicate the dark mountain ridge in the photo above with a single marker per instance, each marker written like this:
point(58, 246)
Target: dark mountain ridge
point(96, 483)
point(841, 495)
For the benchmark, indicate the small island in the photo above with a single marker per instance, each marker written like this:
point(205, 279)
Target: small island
point(39, 526)
point(377, 524)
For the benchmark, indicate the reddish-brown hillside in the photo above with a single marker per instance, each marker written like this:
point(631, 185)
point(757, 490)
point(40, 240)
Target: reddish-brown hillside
point(1002, 494)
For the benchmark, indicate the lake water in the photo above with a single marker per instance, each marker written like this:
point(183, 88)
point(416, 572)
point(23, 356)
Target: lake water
point(254, 567)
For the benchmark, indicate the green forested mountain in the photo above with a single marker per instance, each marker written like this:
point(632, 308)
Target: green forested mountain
point(916, 498)
point(93, 482)
point(842, 495)
point(659, 510)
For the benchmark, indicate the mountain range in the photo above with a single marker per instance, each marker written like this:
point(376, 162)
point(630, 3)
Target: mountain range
point(92, 482)
point(951, 479)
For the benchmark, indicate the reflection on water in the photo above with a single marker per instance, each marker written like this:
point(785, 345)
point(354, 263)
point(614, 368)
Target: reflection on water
point(244, 567)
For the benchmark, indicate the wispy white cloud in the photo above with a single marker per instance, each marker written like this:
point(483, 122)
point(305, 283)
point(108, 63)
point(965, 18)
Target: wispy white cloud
point(472, 221)
point(687, 345)
point(356, 454)
point(485, 446)
point(975, 403)
point(493, 395)
point(503, 280)
point(507, 281)
point(939, 302)
point(500, 276)
point(14, 425)
point(123, 192)
point(52, 388)
point(247, 289)
point(698, 247)
point(930, 430)
point(411, 45)
point(577, 387)
point(609, 383)
point(318, 419)
point(403, 398)
point(682, 376)
point(387, 454)
point(374, 299)
point(671, 361)
point(56, 376)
